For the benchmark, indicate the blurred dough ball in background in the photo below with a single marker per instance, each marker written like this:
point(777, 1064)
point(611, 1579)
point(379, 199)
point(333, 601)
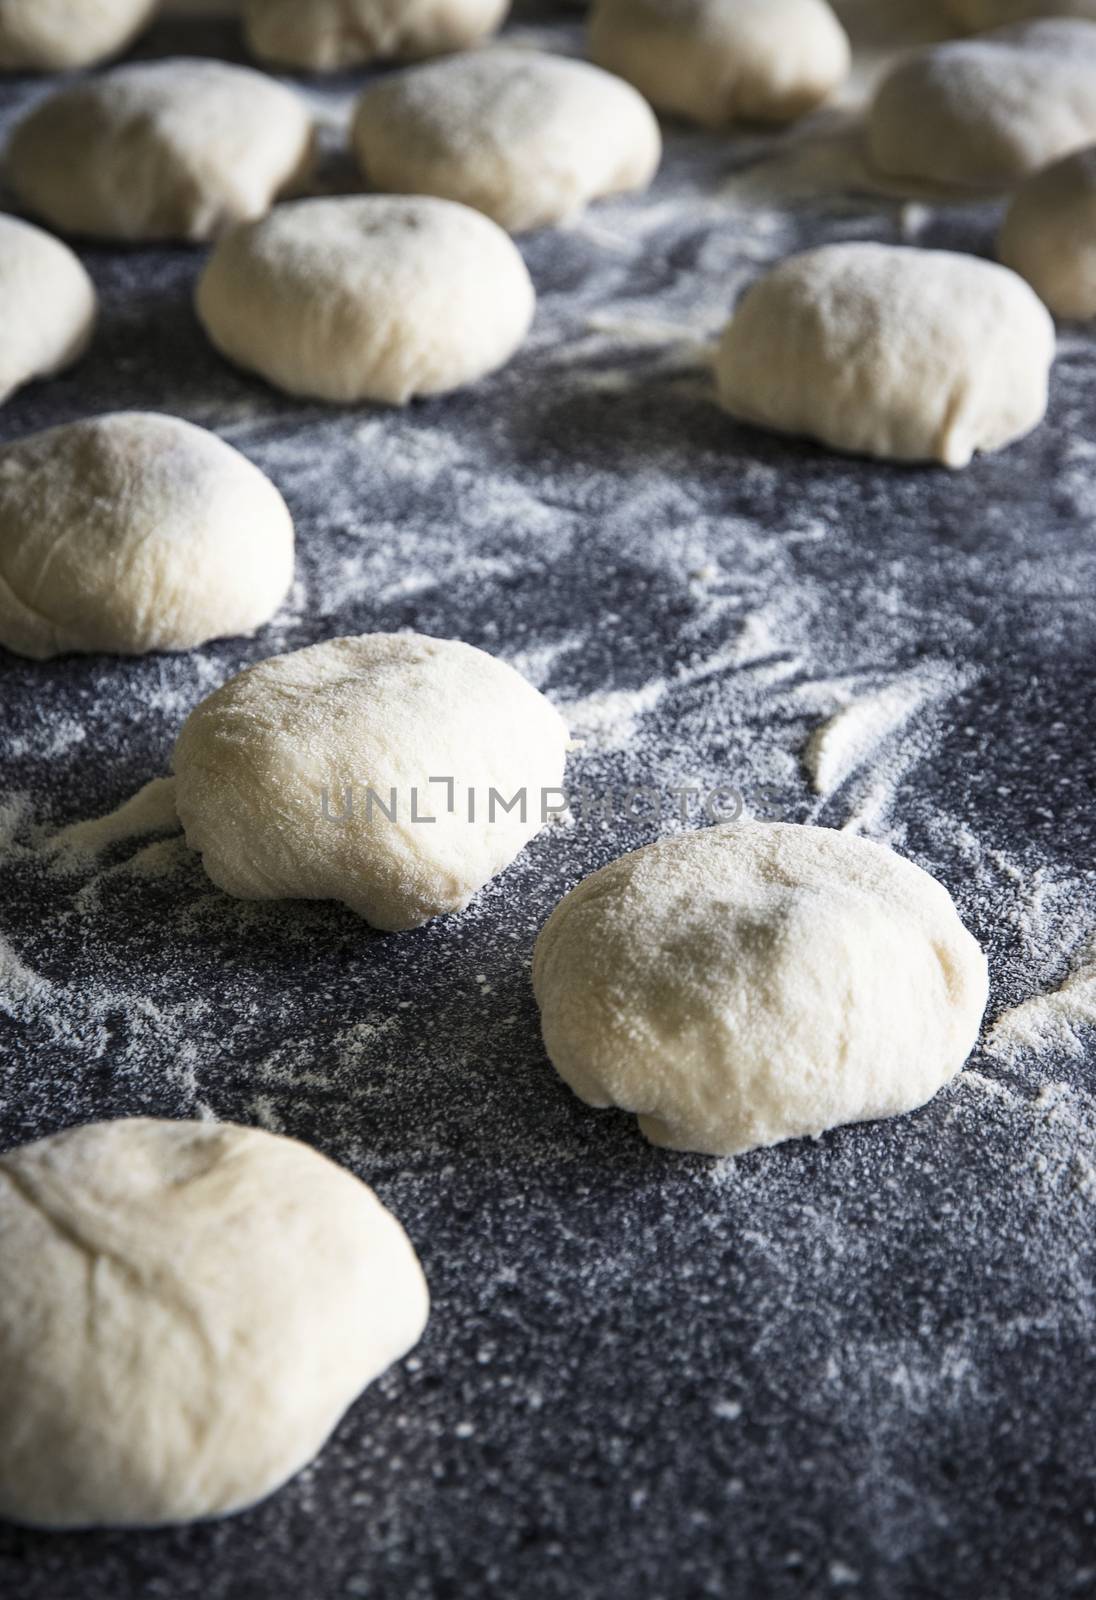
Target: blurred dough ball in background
point(717, 61)
point(326, 35)
point(983, 113)
point(526, 137)
point(62, 35)
point(175, 149)
point(372, 297)
point(49, 305)
point(135, 532)
point(978, 15)
point(1049, 235)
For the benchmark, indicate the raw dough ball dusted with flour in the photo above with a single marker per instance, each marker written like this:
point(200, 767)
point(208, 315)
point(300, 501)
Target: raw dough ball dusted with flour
point(715, 61)
point(527, 138)
point(316, 775)
point(61, 35)
point(378, 298)
point(174, 149)
point(1049, 235)
point(326, 35)
point(135, 532)
point(188, 1310)
point(979, 15)
point(756, 982)
point(49, 305)
point(912, 355)
point(984, 113)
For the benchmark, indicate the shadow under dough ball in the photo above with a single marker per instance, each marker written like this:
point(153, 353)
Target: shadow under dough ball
point(175, 149)
point(188, 1310)
point(528, 138)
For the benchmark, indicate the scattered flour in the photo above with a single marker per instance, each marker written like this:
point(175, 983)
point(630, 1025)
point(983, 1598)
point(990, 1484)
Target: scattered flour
point(1053, 1021)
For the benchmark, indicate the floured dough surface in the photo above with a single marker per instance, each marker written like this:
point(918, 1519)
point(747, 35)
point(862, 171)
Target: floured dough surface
point(328, 35)
point(985, 112)
point(375, 298)
point(188, 1309)
point(60, 36)
point(719, 61)
point(528, 138)
point(742, 985)
point(49, 305)
point(274, 772)
point(134, 532)
point(175, 149)
point(1049, 235)
point(882, 350)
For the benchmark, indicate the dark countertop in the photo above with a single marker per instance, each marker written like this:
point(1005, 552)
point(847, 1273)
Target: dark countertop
point(858, 1366)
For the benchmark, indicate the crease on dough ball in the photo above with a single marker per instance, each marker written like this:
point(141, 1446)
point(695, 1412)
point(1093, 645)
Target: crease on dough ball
point(177, 149)
point(50, 306)
point(60, 36)
point(264, 764)
point(983, 113)
point(135, 532)
point(378, 298)
point(751, 983)
point(528, 138)
point(883, 350)
point(328, 35)
point(188, 1310)
point(1049, 235)
point(720, 61)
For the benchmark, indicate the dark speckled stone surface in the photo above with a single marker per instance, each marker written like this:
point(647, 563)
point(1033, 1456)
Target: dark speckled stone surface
point(862, 1366)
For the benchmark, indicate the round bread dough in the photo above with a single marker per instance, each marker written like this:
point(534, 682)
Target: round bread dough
point(379, 298)
point(49, 305)
point(61, 35)
point(327, 35)
point(173, 149)
point(527, 138)
point(978, 15)
point(134, 532)
point(314, 775)
point(880, 350)
point(188, 1310)
point(1049, 235)
point(757, 982)
point(984, 113)
point(716, 61)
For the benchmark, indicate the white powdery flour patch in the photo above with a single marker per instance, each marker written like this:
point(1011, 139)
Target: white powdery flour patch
point(1053, 1021)
point(150, 810)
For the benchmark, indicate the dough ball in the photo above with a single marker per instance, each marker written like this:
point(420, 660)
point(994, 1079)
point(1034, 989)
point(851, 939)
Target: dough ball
point(756, 982)
point(61, 35)
point(173, 149)
point(327, 35)
point(978, 15)
point(375, 298)
point(134, 532)
point(1049, 235)
point(527, 138)
point(188, 1310)
point(308, 776)
point(912, 355)
point(983, 113)
point(49, 306)
point(716, 61)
